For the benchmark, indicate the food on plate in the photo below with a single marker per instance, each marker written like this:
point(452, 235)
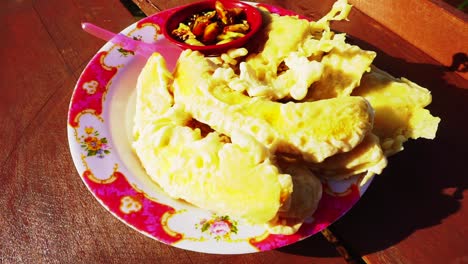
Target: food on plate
point(253, 132)
point(237, 178)
point(314, 63)
point(399, 109)
point(343, 67)
point(366, 158)
point(216, 26)
point(315, 130)
point(302, 202)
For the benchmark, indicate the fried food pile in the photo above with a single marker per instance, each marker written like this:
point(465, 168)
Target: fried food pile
point(250, 134)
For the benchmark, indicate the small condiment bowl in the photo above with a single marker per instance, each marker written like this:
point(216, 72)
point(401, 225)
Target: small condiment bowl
point(181, 14)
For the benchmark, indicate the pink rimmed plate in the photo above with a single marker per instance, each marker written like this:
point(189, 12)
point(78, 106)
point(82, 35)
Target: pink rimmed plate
point(99, 133)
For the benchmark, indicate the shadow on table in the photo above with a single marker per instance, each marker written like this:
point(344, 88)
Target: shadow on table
point(316, 246)
point(423, 184)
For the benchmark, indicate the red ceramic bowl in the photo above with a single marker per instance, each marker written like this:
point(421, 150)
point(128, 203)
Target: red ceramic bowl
point(181, 14)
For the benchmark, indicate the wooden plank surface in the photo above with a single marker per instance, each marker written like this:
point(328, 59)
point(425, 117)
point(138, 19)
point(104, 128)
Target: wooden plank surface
point(48, 215)
point(435, 27)
point(17, 107)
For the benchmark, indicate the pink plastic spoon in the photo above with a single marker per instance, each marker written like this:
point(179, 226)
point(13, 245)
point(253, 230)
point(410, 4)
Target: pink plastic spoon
point(168, 50)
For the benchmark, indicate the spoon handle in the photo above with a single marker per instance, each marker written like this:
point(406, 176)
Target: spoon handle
point(168, 50)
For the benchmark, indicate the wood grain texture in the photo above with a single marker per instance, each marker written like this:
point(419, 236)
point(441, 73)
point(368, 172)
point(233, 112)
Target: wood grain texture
point(48, 215)
point(147, 6)
point(21, 50)
point(433, 26)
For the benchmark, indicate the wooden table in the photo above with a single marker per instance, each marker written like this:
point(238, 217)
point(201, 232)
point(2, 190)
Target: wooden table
point(416, 212)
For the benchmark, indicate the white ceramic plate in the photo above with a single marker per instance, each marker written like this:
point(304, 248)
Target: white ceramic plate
point(99, 126)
